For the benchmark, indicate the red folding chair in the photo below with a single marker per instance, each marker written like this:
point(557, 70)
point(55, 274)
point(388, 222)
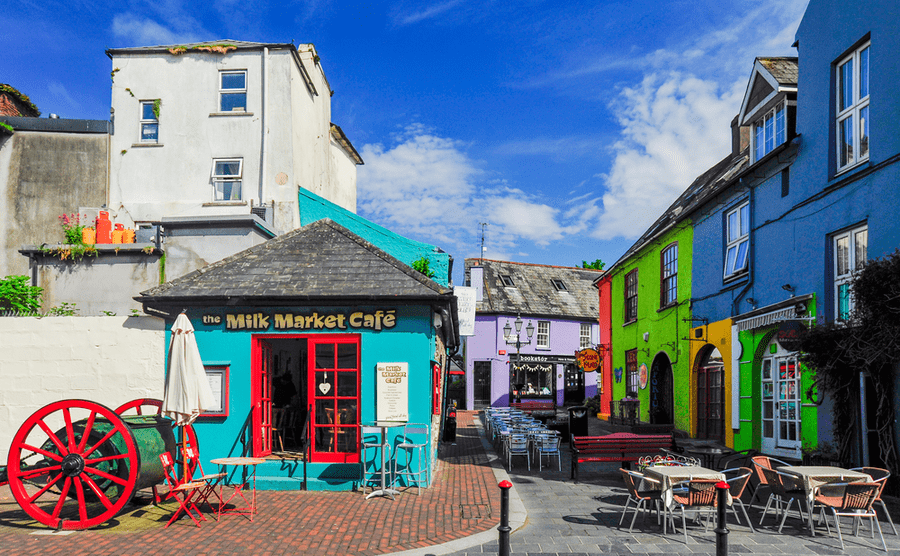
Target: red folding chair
point(183, 492)
point(210, 482)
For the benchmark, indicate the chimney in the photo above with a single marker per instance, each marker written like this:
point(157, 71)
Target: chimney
point(476, 280)
point(740, 136)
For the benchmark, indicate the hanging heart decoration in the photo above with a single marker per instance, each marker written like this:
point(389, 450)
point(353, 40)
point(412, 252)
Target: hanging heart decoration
point(324, 388)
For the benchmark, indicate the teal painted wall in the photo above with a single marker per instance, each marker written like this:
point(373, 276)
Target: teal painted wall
point(667, 327)
point(314, 208)
point(411, 340)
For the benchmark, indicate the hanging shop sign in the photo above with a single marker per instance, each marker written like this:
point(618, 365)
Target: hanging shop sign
point(392, 391)
point(289, 320)
point(588, 359)
point(789, 334)
point(642, 376)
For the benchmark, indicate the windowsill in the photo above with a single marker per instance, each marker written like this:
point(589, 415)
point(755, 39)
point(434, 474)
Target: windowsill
point(225, 204)
point(666, 307)
point(632, 321)
point(236, 113)
point(142, 145)
point(848, 169)
point(728, 280)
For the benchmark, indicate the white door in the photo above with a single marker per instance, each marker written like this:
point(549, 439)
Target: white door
point(781, 403)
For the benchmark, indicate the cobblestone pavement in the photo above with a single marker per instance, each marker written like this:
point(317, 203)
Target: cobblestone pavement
point(568, 519)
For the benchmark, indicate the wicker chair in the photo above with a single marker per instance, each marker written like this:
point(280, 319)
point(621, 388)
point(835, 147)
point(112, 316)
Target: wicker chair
point(784, 489)
point(854, 500)
point(760, 463)
point(879, 476)
point(695, 494)
point(634, 481)
point(738, 478)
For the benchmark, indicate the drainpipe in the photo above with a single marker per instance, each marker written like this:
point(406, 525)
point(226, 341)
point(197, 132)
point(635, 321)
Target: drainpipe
point(263, 170)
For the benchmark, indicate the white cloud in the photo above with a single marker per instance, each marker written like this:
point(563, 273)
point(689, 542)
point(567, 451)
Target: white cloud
point(141, 31)
point(672, 127)
point(428, 12)
point(59, 91)
point(426, 186)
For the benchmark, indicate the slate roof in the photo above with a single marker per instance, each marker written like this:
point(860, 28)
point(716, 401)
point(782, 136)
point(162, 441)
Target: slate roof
point(783, 69)
point(322, 262)
point(533, 293)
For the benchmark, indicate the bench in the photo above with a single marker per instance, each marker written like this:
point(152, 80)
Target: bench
point(531, 406)
point(621, 446)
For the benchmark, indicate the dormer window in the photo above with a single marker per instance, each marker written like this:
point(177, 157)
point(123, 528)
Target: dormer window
point(769, 131)
point(507, 280)
point(559, 285)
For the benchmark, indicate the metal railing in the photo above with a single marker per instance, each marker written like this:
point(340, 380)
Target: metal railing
point(625, 412)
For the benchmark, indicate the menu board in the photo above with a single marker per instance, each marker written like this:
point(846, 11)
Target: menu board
point(392, 391)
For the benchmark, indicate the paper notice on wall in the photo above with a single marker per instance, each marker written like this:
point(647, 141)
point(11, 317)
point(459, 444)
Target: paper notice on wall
point(465, 306)
point(392, 391)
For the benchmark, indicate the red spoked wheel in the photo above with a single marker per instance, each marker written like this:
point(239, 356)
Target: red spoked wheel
point(79, 476)
point(153, 406)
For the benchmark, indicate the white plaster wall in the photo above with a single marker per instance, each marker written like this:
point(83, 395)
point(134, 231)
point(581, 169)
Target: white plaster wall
point(108, 360)
point(344, 172)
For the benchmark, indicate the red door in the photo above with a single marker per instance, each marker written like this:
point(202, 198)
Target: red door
point(261, 398)
point(333, 374)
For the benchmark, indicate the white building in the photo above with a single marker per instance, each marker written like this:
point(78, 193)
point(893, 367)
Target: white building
point(224, 128)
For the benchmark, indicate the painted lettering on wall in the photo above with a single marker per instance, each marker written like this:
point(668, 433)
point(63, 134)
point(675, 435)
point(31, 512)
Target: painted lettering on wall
point(257, 320)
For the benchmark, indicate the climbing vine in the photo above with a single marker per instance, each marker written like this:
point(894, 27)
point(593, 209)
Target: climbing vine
point(868, 341)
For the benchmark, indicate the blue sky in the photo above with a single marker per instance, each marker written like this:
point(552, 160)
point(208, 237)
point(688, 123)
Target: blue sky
point(567, 127)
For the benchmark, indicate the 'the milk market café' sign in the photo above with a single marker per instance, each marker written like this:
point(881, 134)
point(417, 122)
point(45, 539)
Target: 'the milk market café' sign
point(289, 320)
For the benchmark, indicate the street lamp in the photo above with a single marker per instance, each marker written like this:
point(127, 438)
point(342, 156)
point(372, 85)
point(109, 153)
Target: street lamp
point(518, 342)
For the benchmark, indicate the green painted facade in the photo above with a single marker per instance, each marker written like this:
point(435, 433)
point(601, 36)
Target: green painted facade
point(665, 327)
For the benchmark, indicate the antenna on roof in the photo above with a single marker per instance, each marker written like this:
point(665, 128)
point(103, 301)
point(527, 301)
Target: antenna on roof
point(483, 226)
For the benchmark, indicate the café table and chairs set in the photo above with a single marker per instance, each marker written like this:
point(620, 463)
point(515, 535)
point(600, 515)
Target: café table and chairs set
point(518, 434)
point(669, 484)
point(404, 463)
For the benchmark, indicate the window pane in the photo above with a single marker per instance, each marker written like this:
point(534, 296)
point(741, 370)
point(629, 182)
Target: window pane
point(745, 220)
point(842, 252)
point(324, 356)
point(147, 111)
point(236, 80)
point(228, 168)
point(843, 301)
point(861, 241)
point(780, 125)
point(864, 132)
point(346, 354)
point(733, 226)
point(233, 101)
point(346, 384)
point(760, 141)
point(348, 411)
point(846, 92)
point(149, 132)
point(227, 190)
point(846, 141)
point(325, 384)
point(864, 73)
point(729, 260)
point(740, 262)
point(770, 133)
point(767, 371)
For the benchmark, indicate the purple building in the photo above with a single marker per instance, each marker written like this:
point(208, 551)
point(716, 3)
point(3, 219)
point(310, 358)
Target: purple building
point(555, 310)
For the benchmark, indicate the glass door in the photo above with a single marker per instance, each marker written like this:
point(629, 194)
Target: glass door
point(482, 391)
point(780, 376)
point(261, 398)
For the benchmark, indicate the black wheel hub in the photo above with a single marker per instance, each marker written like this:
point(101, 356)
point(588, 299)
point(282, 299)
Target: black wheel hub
point(72, 465)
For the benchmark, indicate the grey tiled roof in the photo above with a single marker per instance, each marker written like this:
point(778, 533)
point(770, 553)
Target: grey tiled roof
point(783, 69)
point(322, 262)
point(533, 292)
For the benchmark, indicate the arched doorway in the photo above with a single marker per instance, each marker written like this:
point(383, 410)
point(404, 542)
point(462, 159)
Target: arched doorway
point(661, 394)
point(711, 395)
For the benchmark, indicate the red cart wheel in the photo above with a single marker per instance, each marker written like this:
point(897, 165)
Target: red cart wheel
point(153, 406)
point(92, 460)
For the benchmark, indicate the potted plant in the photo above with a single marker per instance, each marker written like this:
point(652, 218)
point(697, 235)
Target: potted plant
point(594, 405)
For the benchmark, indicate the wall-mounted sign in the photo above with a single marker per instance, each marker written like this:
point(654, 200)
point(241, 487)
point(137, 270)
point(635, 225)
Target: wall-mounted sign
point(588, 359)
point(465, 307)
point(392, 391)
point(789, 334)
point(261, 320)
point(218, 383)
point(642, 376)
point(501, 352)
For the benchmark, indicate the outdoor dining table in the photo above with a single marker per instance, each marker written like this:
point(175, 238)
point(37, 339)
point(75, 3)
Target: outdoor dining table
point(385, 490)
point(238, 487)
point(669, 475)
point(811, 476)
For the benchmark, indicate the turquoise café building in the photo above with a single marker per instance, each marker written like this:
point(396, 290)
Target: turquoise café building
point(310, 336)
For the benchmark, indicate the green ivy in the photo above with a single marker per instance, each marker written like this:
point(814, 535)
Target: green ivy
point(423, 265)
point(156, 104)
point(6, 129)
point(17, 294)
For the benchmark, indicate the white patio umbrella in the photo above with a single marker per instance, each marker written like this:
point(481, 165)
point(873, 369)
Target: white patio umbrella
point(187, 388)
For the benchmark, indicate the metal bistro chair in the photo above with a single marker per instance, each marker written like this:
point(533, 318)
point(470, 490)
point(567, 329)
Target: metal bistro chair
point(517, 446)
point(784, 489)
point(738, 478)
point(414, 442)
point(694, 494)
point(879, 476)
point(368, 443)
point(635, 481)
point(182, 491)
point(548, 445)
point(759, 463)
point(211, 480)
point(854, 500)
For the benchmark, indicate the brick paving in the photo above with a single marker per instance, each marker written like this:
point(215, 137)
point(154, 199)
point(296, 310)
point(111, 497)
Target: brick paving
point(463, 500)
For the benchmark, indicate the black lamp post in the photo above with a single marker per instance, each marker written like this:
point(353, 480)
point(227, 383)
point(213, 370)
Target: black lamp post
point(518, 342)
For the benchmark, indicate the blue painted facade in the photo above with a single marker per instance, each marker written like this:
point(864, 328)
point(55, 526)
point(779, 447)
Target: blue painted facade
point(801, 203)
point(314, 208)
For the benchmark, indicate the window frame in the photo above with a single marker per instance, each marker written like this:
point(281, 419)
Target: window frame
point(854, 107)
point(545, 334)
point(843, 277)
point(232, 91)
point(732, 270)
point(584, 339)
point(227, 178)
point(770, 136)
point(145, 122)
point(632, 380)
point(630, 308)
point(668, 276)
point(507, 281)
point(559, 284)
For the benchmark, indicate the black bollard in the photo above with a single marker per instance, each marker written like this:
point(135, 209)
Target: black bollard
point(504, 527)
point(721, 529)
